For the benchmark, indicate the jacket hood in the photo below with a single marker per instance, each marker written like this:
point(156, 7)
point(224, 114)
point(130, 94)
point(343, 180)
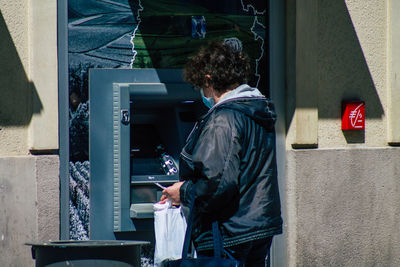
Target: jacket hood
point(251, 102)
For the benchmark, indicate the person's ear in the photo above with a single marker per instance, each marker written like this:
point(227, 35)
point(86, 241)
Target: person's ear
point(208, 80)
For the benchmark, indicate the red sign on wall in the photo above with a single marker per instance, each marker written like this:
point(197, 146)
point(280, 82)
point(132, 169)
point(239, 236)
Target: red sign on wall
point(353, 115)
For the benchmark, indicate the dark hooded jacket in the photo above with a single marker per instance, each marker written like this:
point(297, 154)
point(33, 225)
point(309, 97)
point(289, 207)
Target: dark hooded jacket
point(230, 157)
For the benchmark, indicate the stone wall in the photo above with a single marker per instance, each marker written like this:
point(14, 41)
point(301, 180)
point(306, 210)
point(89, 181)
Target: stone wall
point(343, 207)
point(29, 206)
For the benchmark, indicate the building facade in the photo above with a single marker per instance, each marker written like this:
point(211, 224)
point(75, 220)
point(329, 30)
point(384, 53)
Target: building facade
point(339, 188)
point(341, 185)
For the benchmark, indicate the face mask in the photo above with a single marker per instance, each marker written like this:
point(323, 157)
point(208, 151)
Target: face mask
point(208, 101)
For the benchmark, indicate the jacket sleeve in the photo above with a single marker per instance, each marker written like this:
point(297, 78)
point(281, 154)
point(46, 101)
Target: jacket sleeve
point(216, 160)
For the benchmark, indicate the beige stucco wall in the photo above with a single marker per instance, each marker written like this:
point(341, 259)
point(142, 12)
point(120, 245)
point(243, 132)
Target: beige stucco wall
point(29, 183)
point(43, 128)
point(352, 64)
point(393, 72)
point(28, 75)
point(339, 52)
point(15, 15)
point(15, 103)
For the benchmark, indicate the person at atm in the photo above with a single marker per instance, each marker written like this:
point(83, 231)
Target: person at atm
point(230, 158)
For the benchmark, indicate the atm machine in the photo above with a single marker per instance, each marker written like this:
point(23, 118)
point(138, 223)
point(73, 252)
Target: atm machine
point(139, 121)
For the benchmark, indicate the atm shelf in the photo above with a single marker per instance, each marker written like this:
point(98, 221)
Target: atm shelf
point(141, 211)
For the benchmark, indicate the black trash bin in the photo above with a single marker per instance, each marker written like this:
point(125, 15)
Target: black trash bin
point(87, 253)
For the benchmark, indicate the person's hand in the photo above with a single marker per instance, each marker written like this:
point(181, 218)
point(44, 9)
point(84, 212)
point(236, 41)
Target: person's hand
point(172, 193)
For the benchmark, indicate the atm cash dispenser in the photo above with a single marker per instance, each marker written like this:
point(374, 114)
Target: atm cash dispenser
point(139, 121)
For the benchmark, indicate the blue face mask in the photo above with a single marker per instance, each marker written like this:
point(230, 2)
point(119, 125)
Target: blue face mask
point(208, 101)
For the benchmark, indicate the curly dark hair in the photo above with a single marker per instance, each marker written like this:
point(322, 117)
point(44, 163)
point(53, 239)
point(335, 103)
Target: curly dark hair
point(222, 62)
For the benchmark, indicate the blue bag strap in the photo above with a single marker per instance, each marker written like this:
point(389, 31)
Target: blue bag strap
point(217, 238)
point(188, 234)
point(218, 246)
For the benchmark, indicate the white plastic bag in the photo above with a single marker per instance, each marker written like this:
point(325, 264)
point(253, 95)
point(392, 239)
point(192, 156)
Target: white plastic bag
point(169, 228)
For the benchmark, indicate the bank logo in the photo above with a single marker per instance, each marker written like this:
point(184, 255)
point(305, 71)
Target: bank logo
point(353, 115)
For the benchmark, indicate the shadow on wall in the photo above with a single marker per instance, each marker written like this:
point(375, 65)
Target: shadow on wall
point(343, 70)
point(19, 99)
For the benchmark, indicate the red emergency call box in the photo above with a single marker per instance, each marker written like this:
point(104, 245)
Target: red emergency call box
point(353, 115)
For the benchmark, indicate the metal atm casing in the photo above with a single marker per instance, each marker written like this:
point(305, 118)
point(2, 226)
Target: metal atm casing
point(123, 101)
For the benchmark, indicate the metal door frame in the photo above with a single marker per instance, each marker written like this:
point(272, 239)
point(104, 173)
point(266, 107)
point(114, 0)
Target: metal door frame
point(63, 120)
point(277, 47)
